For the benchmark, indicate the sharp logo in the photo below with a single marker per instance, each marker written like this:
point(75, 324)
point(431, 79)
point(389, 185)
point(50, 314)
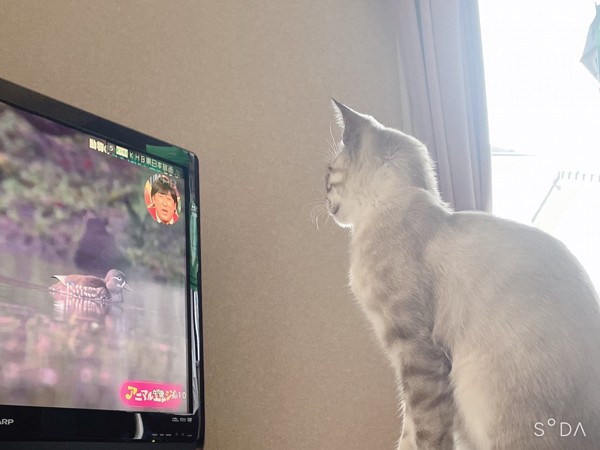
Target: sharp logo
point(7, 421)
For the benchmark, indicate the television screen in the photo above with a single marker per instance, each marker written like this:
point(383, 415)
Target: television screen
point(99, 285)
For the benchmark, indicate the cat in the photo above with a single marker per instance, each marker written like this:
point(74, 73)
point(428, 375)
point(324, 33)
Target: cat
point(492, 327)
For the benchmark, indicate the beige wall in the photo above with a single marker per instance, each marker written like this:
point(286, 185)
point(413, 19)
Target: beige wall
point(290, 361)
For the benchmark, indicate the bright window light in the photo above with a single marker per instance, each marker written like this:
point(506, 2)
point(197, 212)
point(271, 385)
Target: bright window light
point(544, 118)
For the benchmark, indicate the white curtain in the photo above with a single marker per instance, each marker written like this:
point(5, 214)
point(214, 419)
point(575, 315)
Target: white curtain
point(443, 94)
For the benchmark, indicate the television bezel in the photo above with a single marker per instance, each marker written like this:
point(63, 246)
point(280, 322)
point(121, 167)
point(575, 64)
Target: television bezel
point(48, 427)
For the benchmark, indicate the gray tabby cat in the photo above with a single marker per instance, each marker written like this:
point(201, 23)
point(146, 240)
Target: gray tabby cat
point(492, 327)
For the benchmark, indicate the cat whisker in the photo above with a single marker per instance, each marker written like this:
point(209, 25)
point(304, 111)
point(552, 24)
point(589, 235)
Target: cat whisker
point(333, 151)
point(325, 155)
point(334, 143)
point(314, 204)
point(317, 211)
point(315, 214)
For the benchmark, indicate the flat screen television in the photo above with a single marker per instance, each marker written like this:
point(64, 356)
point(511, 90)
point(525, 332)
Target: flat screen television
point(100, 289)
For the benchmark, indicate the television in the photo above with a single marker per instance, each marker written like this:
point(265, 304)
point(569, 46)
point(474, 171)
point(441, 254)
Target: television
point(100, 287)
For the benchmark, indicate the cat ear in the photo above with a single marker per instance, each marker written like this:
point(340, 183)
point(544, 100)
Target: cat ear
point(352, 122)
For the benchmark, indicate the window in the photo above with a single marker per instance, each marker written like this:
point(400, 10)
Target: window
point(544, 118)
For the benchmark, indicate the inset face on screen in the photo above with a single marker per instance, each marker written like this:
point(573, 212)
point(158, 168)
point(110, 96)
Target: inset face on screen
point(162, 199)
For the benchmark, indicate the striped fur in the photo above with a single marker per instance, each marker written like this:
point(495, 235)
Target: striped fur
point(492, 327)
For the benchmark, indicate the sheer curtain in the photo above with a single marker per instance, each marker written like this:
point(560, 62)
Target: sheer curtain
point(440, 66)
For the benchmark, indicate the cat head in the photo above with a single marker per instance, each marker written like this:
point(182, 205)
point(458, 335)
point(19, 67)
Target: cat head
point(374, 167)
